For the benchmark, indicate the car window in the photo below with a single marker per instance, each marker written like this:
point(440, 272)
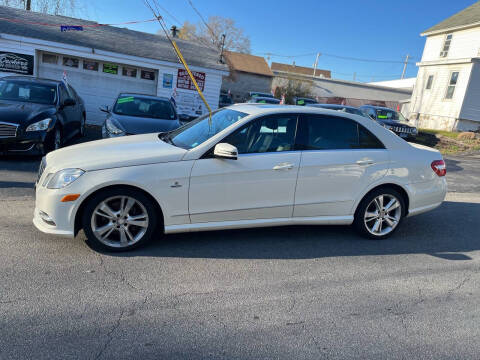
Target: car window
point(63, 92)
point(27, 91)
point(320, 132)
point(130, 105)
point(271, 133)
point(72, 92)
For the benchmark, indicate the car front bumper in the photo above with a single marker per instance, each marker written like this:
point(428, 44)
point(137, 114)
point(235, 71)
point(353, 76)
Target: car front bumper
point(31, 143)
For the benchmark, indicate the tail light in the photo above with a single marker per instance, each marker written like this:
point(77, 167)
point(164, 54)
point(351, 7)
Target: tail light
point(439, 167)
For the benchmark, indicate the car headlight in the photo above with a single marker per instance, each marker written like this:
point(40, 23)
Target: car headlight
point(39, 125)
point(113, 129)
point(62, 178)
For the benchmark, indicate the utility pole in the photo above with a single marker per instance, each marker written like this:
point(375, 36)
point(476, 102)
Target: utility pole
point(354, 76)
point(223, 46)
point(405, 66)
point(315, 65)
point(28, 5)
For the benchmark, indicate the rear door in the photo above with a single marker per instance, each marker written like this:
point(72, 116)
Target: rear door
point(260, 184)
point(340, 158)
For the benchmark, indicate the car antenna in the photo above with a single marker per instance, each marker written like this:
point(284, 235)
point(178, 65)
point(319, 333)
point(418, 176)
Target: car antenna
point(180, 58)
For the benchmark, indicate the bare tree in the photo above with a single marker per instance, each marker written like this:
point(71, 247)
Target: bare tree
point(211, 35)
point(55, 7)
point(292, 87)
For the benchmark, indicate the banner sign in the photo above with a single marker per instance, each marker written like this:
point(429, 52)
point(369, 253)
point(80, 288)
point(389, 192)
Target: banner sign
point(64, 28)
point(184, 82)
point(16, 63)
point(110, 68)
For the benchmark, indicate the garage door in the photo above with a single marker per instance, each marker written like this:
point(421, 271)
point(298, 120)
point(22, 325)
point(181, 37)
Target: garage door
point(98, 83)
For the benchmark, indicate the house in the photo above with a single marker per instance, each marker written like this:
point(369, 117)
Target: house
point(247, 73)
point(101, 61)
point(447, 90)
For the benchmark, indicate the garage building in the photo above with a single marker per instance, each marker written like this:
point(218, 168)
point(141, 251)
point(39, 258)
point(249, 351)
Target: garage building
point(102, 61)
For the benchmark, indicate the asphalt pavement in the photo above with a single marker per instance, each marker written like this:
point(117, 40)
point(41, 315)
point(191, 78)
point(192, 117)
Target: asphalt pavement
point(273, 293)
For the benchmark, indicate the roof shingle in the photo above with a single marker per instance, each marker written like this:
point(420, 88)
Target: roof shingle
point(107, 38)
point(468, 16)
point(293, 69)
point(248, 63)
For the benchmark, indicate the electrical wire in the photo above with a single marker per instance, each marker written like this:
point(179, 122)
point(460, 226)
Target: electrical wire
point(337, 57)
point(20, 21)
point(203, 19)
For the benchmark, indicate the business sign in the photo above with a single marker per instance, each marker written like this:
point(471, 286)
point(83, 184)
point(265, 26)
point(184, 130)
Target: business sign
point(189, 103)
point(64, 28)
point(16, 63)
point(167, 81)
point(184, 82)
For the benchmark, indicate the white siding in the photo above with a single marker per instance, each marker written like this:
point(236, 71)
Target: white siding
point(471, 104)
point(17, 47)
point(434, 110)
point(465, 44)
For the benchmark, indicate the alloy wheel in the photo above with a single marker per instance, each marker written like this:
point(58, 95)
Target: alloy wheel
point(382, 215)
point(119, 221)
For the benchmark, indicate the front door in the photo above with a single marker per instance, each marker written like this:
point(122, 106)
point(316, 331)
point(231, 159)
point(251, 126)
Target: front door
point(260, 184)
point(340, 159)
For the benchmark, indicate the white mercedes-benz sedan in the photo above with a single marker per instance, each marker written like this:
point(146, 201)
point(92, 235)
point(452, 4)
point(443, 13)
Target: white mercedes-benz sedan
point(246, 166)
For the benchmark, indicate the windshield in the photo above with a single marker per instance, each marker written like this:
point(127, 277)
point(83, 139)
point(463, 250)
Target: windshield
point(199, 130)
point(383, 114)
point(27, 91)
point(144, 107)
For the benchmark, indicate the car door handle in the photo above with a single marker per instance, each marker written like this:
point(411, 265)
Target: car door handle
point(283, 166)
point(365, 162)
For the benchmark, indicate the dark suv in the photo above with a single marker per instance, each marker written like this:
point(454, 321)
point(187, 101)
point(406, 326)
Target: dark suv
point(38, 115)
point(391, 120)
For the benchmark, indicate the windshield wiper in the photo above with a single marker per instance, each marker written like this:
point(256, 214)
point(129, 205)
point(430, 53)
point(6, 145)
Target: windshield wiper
point(166, 138)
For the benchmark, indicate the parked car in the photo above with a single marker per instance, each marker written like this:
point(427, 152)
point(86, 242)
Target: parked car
point(390, 119)
point(246, 166)
point(38, 115)
point(134, 114)
point(264, 100)
point(253, 94)
point(302, 101)
point(225, 100)
point(343, 108)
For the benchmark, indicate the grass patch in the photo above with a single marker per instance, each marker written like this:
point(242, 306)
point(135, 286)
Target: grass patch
point(446, 142)
point(449, 134)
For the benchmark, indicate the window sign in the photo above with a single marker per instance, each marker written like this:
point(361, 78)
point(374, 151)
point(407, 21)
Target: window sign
point(90, 65)
point(49, 59)
point(128, 71)
point(167, 81)
point(147, 75)
point(110, 69)
point(16, 63)
point(184, 82)
point(71, 62)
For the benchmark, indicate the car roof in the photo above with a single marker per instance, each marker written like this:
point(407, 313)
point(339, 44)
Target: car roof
point(378, 107)
point(32, 79)
point(146, 96)
point(266, 109)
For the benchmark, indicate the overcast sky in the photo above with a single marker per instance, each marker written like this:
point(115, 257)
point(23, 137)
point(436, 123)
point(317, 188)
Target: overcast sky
point(367, 29)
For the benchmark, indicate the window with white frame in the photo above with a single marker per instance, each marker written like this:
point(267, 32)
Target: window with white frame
point(446, 45)
point(429, 82)
point(451, 85)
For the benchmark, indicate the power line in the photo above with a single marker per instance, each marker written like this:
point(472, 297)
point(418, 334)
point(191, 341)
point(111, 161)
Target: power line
point(337, 57)
point(203, 19)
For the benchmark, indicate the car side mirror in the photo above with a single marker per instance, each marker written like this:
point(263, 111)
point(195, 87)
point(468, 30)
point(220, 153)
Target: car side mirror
point(69, 102)
point(225, 151)
point(104, 108)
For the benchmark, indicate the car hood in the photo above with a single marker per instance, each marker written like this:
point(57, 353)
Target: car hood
point(140, 125)
point(22, 112)
point(393, 123)
point(115, 152)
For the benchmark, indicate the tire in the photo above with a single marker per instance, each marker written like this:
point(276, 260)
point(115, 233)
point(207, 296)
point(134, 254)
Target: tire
point(82, 127)
point(54, 141)
point(110, 228)
point(373, 223)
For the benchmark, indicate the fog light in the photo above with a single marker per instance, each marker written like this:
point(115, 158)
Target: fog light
point(45, 217)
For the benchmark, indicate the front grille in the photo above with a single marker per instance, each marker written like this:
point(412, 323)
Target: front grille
point(41, 169)
point(8, 130)
point(402, 129)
